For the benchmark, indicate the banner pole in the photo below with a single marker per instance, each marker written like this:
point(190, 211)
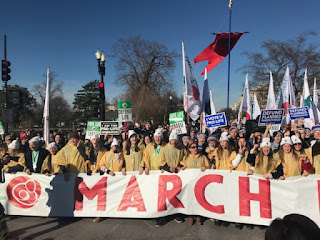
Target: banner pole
point(230, 4)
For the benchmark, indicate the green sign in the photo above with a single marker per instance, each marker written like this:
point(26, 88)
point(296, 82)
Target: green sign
point(124, 105)
point(93, 128)
point(124, 112)
point(176, 117)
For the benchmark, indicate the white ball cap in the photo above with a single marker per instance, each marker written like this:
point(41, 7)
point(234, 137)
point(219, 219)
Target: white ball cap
point(173, 135)
point(114, 142)
point(131, 133)
point(158, 132)
point(286, 140)
point(224, 136)
point(34, 139)
point(265, 142)
point(295, 139)
point(52, 145)
point(14, 144)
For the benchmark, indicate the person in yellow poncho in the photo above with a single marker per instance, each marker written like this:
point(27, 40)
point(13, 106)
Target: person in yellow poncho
point(212, 145)
point(238, 158)
point(221, 154)
point(152, 151)
point(303, 153)
point(262, 161)
point(112, 161)
point(52, 165)
point(132, 153)
point(291, 163)
point(13, 160)
point(195, 159)
point(73, 157)
point(316, 149)
point(171, 154)
point(95, 155)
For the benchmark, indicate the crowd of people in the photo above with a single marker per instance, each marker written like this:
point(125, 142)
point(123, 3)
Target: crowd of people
point(292, 151)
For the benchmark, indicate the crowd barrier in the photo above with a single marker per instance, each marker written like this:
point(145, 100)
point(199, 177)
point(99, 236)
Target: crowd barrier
point(230, 196)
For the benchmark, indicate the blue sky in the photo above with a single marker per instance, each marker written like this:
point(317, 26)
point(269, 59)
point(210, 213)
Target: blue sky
point(65, 35)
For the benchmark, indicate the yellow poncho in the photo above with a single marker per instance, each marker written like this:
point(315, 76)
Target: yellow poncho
point(150, 157)
point(223, 163)
point(243, 165)
point(263, 168)
point(133, 161)
point(110, 161)
point(55, 164)
point(291, 165)
point(171, 155)
point(197, 161)
point(72, 158)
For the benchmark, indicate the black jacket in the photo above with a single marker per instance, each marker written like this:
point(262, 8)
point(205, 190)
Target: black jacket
point(43, 153)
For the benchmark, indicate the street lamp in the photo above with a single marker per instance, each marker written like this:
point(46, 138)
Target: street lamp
point(101, 57)
point(170, 97)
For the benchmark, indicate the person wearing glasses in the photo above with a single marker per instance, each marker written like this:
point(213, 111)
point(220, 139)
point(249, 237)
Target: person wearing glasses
point(195, 159)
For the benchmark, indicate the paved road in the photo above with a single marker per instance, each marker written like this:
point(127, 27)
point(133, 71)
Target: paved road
point(84, 228)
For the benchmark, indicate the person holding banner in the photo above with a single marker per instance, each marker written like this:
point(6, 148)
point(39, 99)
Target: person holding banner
point(152, 151)
point(132, 153)
point(195, 159)
point(171, 155)
point(238, 158)
point(95, 155)
point(71, 156)
point(51, 165)
point(291, 164)
point(262, 161)
point(113, 160)
point(316, 149)
point(13, 160)
point(221, 154)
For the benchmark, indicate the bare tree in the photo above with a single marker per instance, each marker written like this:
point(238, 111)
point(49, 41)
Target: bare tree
point(56, 87)
point(144, 67)
point(296, 53)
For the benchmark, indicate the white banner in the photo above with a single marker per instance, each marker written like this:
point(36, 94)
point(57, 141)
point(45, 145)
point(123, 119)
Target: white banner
point(217, 194)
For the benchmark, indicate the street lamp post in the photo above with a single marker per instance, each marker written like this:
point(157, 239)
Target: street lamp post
point(170, 97)
point(101, 57)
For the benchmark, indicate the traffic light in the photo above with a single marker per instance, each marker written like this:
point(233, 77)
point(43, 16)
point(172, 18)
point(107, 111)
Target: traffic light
point(101, 90)
point(5, 70)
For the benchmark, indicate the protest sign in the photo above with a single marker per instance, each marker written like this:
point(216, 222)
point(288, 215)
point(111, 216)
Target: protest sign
point(124, 111)
point(216, 120)
point(1, 128)
point(176, 120)
point(271, 117)
point(218, 194)
point(274, 128)
point(109, 127)
point(93, 128)
point(299, 112)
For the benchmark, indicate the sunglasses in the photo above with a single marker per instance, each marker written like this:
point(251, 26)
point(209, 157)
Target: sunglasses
point(194, 147)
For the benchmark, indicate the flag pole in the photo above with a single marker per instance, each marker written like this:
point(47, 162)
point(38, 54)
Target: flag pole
point(230, 5)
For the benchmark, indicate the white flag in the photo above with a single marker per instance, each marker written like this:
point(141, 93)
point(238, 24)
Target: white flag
point(213, 109)
point(46, 129)
point(245, 105)
point(191, 98)
point(256, 108)
point(316, 103)
point(206, 110)
point(307, 102)
point(271, 102)
point(283, 96)
point(315, 93)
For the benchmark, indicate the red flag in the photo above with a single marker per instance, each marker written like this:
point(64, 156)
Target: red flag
point(217, 50)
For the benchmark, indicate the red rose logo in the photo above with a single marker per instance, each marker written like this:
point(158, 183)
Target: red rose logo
point(23, 192)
